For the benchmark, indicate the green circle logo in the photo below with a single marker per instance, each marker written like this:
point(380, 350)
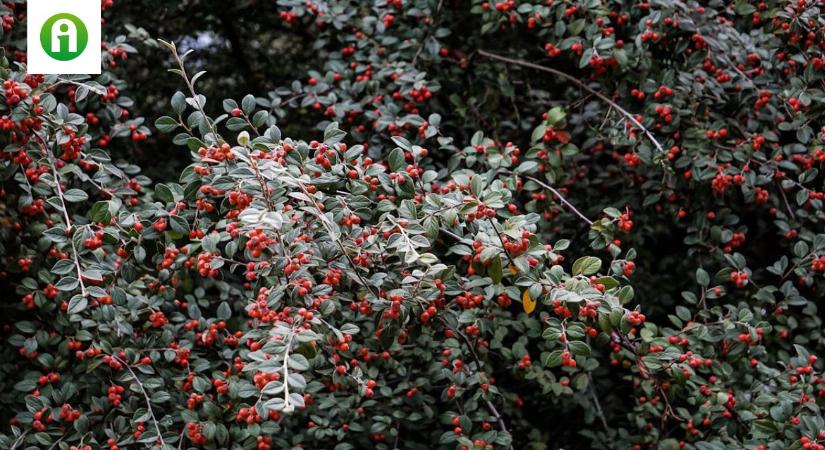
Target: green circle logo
point(64, 37)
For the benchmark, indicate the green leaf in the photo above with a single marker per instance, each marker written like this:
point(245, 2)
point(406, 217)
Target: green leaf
point(552, 359)
point(333, 135)
point(527, 167)
point(579, 348)
point(236, 124)
point(702, 277)
point(224, 311)
point(82, 424)
point(476, 185)
point(229, 104)
point(67, 284)
point(298, 362)
point(166, 124)
point(259, 119)
point(683, 313)
point(75, 195)
point(163, 193)
point(555, 116)
point(26, 385)
point(608, 282)
point(77, 304)
point(494, 270)
point(396, 159)
point(248, 104)
point(179, 224)
point(100, 212)
point(179, 102)
point(210, 242)
point(402, 142)
point(587, 265)
point(621, 56)
point(247, 390)
point(63, 267)
point(743, 8)
point(764, 428)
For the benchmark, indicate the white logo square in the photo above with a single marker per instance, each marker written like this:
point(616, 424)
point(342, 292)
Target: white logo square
point(63, 36)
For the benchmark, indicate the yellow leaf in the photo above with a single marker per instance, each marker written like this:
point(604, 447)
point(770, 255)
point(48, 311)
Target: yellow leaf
point(513, 269)
point(528, 303)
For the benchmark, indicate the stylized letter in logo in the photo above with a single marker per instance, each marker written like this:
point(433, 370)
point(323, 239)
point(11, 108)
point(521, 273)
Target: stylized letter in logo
point(64, 28)
point(64, 37)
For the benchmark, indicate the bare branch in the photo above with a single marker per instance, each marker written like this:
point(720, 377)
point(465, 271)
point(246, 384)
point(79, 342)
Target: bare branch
point(581, 85)
point(561, 198)
point(182, 72)
point(145, 396)
point(69, 228)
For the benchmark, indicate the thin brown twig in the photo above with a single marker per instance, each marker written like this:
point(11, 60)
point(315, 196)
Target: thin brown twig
point(787, 203)
point(581, 85)
point(590, 386)
point(337, 241)
point(248, 122)
point(490, 406)
point(596, 402)
point(500, 239)
point(668, 408)
point(69, 227)
point(561, 198)
point(145, 396)
point(19, 440)
point(57, 442)
point(182, 68)
point(429, 33)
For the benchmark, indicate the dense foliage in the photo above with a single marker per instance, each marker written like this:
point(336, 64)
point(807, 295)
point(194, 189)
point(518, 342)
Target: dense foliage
point(528, 225)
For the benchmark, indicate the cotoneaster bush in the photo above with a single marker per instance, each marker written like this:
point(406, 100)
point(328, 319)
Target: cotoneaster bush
point(509, 225)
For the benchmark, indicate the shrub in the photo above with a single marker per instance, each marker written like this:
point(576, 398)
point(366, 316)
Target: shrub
point(625, 255)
